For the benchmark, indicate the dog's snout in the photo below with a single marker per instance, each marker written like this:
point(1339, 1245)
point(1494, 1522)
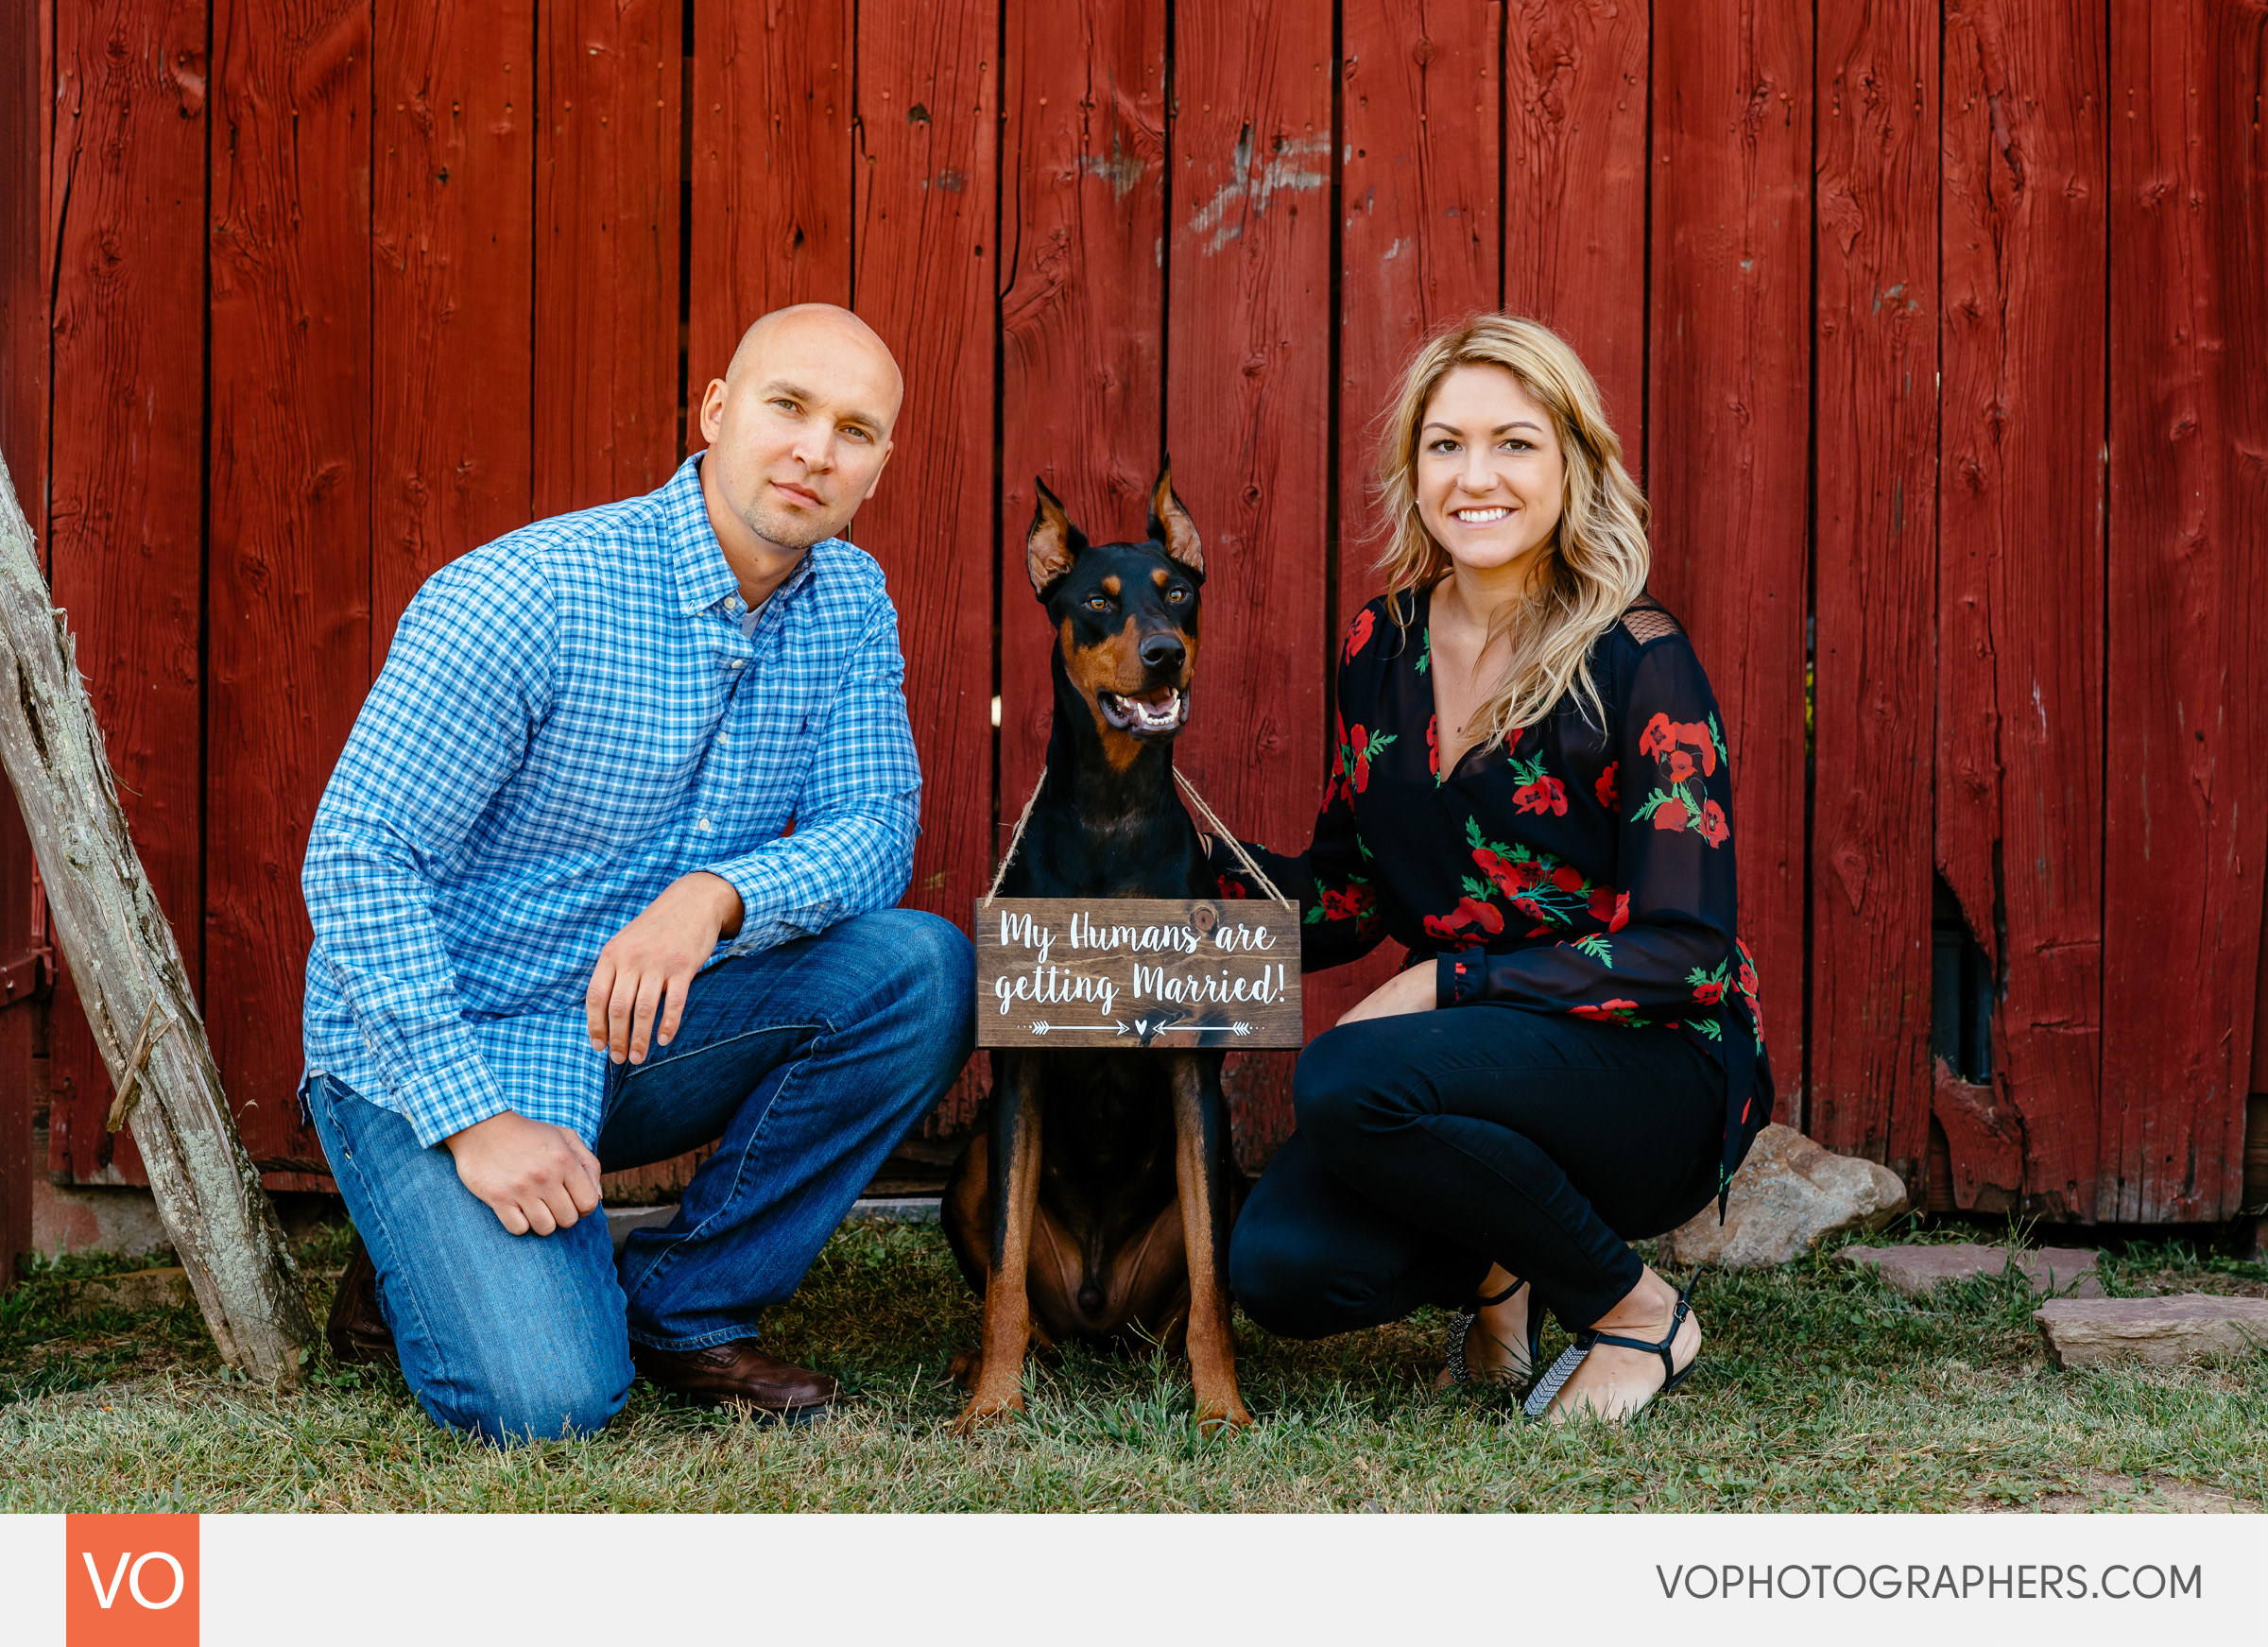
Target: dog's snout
point(1162, 651)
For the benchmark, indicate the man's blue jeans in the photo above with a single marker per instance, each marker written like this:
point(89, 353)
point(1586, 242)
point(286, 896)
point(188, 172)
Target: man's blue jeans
point(812, 1060)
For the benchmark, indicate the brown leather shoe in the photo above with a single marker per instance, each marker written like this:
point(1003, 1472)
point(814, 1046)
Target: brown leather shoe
point(739, 1374)
point(357, 1330)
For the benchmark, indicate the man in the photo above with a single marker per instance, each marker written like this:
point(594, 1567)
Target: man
point(603, 873)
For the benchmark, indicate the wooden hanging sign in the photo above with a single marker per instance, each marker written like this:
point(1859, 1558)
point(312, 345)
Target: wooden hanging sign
point(1128, 972)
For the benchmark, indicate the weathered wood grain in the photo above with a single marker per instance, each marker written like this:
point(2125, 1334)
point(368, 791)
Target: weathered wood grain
point(1247, 414)
point(1875, 521)
point(288, 590)
point(24, 349)
point(1576, 88)
point(135, 986)
point(926, 236)
point(771, 169)
point(1727, 434)
point(1136, 973)
point(2185, 791)
point(126, 499)
point(2018, 779)
point(607, 159)
point(454, 86)
point(1082, 320)
point(1420, 248)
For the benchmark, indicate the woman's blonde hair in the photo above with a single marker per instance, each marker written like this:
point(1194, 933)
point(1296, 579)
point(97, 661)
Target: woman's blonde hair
point(1597, 556)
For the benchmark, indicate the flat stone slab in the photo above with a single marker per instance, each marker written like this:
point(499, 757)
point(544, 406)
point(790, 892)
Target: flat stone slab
point(1913, 1270)
point(136, 1290)
point(622, 1220)
point(895, 1210)
point(2164, 1332)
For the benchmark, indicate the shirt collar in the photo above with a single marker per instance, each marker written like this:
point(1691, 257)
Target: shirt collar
point(703, 574)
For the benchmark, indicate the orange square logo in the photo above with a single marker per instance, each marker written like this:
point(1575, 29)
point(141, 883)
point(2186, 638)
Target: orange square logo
point(131, 1581)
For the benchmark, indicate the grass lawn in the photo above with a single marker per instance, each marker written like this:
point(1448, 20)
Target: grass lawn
point(1820, 1389)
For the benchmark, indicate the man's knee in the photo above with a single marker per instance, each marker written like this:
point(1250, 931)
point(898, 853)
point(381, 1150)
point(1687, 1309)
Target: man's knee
point(510, 1399)
point(919, 956)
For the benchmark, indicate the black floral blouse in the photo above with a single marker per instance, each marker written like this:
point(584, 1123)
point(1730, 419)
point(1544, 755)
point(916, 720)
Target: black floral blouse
point(1571, 872)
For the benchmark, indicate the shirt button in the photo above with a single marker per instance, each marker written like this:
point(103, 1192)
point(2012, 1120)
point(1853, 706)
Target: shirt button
point(736, 663)
point(702, 826)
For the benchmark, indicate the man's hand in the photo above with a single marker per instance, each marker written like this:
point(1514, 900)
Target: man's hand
point(532, 1175)
point(650, 964)
point(1410, 990)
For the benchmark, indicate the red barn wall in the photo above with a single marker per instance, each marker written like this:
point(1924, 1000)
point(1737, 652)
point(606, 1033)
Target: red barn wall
point(1936, 333)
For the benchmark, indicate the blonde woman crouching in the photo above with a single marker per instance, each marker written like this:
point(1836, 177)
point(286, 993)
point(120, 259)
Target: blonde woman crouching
point(1532, 791)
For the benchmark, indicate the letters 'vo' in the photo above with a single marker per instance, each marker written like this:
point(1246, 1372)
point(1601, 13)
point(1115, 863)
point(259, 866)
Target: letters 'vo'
point(130, 1578)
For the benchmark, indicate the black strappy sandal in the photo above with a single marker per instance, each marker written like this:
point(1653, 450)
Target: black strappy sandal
point(1548, 1386)
point(1460, 1329)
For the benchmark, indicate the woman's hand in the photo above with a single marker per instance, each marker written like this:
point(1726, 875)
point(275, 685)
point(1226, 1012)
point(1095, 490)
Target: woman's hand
point(1410, 990)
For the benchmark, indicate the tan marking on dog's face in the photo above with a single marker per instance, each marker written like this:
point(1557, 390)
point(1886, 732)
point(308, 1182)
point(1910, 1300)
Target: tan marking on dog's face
point(1111, 664)
point(1113, 588)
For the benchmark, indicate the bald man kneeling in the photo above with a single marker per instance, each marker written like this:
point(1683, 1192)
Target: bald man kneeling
point(563, 926)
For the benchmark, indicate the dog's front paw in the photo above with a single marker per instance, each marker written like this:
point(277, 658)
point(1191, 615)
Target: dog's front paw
point(1223, 1418)
point(981, 1414)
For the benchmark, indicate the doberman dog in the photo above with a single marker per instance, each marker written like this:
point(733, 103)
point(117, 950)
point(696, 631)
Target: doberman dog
point(1097, 1205)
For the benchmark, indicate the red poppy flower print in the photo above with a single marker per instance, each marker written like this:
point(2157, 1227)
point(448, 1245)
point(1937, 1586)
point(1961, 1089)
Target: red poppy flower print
point(1659, 736)
point(1670, 814)
point(1681, 766)
point(1351, 905)
point(1489, 918)
point(1231, 888)
point(1713, 827)
point(1567, 879)
point(1610, 908)
point(1698, 735)
point(1432, 746)
point(1510, 879)
point(1545, 796)
point(1710, 992)
point(1443, 931)
point(1366, 746)
point(1609, 796)
point(1605, 1009)
point(1358, 632)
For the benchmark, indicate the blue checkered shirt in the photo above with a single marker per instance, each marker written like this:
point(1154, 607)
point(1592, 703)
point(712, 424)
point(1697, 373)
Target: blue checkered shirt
point(569, 719)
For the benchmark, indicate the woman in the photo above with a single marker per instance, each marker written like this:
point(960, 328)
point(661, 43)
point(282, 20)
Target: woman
point(1531, 791)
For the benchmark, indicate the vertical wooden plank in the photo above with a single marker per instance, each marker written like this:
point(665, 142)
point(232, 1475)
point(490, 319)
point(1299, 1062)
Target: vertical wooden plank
point(289, 563)
point(2187, 604)
point(24, 288)
point(1875, 425)
point(1575, 88)
point(2020, 780)
point(771, 169)
point(606, 254)
point(1420, 248)
point(1082, 312)
point(1727, 432)
point(925, 236)
point(126, 526)
point(1247, 411)
point(451, 231)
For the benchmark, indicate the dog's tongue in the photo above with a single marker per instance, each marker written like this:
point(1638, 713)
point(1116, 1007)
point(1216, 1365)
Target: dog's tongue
point(1157, 699)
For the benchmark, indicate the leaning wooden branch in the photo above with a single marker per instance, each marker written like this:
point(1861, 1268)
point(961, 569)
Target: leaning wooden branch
point(132, 985)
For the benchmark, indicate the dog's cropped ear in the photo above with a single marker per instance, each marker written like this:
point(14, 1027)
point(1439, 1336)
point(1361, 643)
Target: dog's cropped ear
point(1170, 524)
point(1052, 542)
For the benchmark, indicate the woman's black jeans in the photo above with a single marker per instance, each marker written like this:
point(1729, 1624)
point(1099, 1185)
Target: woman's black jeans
point(1431, 1143)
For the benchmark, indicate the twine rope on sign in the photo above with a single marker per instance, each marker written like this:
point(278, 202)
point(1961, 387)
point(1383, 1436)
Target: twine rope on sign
point(1197, 800)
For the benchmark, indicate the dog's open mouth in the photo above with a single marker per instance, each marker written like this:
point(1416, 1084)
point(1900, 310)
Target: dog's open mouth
point(1155, 713)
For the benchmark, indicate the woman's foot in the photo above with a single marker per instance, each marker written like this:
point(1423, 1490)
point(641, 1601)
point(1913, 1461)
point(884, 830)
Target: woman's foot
point(1614, 1382)
point(1496, 1347)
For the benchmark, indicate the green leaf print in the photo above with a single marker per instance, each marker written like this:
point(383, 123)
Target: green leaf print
point(1597, 948)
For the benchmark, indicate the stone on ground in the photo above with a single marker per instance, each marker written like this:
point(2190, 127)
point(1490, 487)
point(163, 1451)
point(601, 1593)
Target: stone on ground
point(136, 1290)
point(1788, 1194)
point(622, 1220)
point(1913, 1270)
point(2165, 1331)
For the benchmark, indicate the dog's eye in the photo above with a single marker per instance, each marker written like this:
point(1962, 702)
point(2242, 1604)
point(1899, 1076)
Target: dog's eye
point(1176, 596)
point(1098, 603)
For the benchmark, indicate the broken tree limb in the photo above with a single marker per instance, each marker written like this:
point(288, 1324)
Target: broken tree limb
point(132, 981)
